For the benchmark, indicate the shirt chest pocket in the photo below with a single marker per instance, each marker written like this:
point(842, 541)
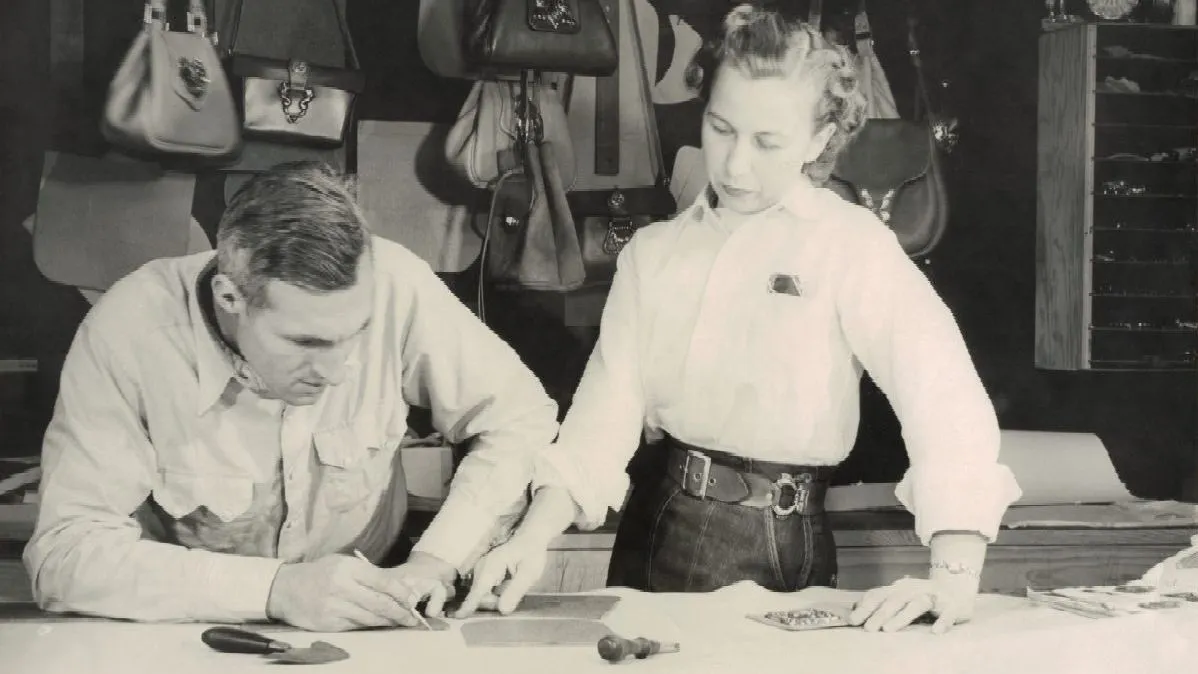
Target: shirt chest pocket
point(353, 464)
point(182, 494)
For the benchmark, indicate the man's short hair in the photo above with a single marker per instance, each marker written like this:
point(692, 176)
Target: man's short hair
point(298, 223)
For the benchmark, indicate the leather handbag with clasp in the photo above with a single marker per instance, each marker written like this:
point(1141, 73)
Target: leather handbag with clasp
point(294, 100)
point(565, 36)
point(170, 98)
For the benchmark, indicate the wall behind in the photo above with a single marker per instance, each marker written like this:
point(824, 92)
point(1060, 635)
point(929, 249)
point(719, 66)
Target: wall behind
point(985, 50)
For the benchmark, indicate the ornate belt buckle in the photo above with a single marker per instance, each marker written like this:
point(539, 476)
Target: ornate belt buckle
point(701, 476)
point(800, 489)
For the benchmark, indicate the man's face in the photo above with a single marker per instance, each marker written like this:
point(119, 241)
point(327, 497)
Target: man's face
point(298, 341)
point(757, 135)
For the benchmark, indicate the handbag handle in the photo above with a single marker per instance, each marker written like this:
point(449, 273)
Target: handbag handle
point(815, 14)
point(921, 84)
point(197, 16)
point(923, 102)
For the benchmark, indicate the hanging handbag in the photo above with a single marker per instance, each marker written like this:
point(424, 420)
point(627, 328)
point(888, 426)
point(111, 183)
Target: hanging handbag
point(295, 100)
point(529, 239)
point(485, 132)
point(170, 98)
point(892, 167)
point(565, 36)
point(621, 184)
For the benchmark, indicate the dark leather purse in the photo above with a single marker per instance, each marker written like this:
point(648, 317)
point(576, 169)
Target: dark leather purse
point(565, 36)
point(294, 100)
point(892, 167)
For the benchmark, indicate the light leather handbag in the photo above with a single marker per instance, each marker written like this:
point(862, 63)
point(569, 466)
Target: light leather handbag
point(295, 100)
point(170, 98)
point(482, 143)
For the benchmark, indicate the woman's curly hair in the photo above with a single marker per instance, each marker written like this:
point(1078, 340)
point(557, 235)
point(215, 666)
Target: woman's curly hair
point(763, 43)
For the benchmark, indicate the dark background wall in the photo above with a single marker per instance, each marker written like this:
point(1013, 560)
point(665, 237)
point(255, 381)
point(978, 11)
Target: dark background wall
point(981, 57)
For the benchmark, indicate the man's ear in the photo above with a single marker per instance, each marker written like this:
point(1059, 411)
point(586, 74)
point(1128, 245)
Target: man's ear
point(226, 295)
point(820, 142)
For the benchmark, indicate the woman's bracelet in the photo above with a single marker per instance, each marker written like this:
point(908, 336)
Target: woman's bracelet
point(956, 568)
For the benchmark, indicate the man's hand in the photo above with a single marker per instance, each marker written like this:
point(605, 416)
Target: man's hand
point(893, 607)
point(336, 593)
point(503, 576)
point(424, 576)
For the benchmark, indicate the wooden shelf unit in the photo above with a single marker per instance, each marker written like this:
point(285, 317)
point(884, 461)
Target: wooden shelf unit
point(1117, 198)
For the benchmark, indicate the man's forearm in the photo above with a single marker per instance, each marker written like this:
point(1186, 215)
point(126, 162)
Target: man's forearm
point(110, 572)
point(958, 557)
point(551, 512)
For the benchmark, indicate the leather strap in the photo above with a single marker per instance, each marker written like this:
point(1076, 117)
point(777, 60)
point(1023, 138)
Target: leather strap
point(920, 81)
point(607, 104)
point(705, 474)
point(815, 14)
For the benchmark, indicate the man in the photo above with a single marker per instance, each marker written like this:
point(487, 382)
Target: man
point(226, 433)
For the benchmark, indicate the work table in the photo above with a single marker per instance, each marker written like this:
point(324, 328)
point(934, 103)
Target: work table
point(1006, 634)
point(873, 548)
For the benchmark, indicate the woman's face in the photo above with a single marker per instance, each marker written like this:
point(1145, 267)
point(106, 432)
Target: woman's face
point(757, 135)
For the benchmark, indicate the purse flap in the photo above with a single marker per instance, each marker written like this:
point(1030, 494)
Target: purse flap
point(244, 65)
point(654, 201)
point(885, 154)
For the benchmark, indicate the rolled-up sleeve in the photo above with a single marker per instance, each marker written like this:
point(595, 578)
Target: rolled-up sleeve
point(87, 554)
point(603, 427)
point(478, 390)
point(909, 342)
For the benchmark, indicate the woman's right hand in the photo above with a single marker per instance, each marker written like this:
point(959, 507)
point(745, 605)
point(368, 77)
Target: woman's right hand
point(503, 576)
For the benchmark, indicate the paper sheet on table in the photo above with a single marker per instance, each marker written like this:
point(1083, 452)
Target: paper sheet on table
point(1051, 468)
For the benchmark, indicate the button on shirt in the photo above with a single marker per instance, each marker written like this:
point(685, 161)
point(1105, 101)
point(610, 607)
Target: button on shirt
point(749, 335)
point(172, 491)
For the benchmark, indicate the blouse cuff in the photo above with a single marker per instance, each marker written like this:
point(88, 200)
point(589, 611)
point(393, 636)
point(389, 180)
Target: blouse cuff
point(555, 468)
point(956, 497)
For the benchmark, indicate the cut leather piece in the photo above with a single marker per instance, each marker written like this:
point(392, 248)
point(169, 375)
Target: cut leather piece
point(100, 218)
point(885, 154)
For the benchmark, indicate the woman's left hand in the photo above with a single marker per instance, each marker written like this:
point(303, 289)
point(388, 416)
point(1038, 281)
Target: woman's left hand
point(892, 607)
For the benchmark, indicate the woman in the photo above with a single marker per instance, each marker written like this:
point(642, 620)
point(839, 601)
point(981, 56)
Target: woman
point(734, 336)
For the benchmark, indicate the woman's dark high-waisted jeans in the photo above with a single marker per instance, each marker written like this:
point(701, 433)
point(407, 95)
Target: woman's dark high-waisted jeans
point(670, 541)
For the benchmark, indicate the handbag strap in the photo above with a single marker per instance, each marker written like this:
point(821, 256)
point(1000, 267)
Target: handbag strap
point(815, 14)
point(921, 84)
point(197, 16)
point(607, 105)
point(647, 93)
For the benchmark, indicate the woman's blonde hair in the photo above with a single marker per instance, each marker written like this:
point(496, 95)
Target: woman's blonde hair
point(763, 43)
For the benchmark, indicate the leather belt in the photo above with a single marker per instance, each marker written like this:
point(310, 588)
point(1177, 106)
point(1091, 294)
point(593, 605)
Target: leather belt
point(706, 474)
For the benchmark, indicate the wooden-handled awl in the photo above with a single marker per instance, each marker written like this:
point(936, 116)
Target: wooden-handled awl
point(614, 649)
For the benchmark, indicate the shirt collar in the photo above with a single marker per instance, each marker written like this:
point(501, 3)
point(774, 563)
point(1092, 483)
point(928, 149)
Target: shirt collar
point(215, 362)
point(799, 200)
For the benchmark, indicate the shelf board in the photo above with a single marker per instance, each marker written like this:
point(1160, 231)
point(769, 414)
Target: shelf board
point(1144, 263)
point(1151, 230)
point(1144, 296)
point(1146, 331)
point(1142, 366)
point(1129, 160)
point(1145, 196)
point(1154, 94)
point(1157, 60)
point(1129, 125)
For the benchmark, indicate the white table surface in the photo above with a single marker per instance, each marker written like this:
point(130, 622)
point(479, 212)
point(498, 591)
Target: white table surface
point(1006, 635)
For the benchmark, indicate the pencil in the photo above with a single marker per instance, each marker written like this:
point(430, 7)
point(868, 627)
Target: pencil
point(415, 611)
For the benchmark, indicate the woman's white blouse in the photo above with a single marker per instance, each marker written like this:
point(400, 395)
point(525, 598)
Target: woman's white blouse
point(750, 337)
